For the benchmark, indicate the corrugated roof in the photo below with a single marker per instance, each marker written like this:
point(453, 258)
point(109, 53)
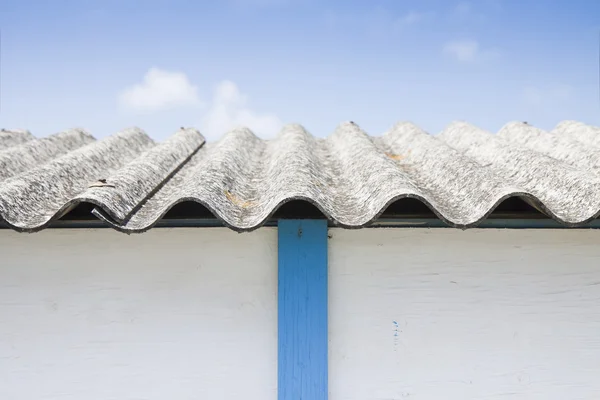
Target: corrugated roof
point(462, 174)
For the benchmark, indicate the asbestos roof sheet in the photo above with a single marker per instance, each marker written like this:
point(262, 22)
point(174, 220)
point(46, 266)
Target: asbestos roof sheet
point(461, 174)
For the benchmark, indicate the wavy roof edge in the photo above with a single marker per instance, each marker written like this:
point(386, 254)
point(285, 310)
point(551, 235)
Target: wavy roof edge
point(460, 176)
point(25, 134)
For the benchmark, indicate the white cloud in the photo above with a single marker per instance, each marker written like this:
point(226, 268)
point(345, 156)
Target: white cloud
point(469, 51)
point(160, 90)
point(229, 109)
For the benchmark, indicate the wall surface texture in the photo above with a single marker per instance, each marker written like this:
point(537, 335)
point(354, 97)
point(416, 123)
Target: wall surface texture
point(458, 315)
point(170, 314)
point(192, 314)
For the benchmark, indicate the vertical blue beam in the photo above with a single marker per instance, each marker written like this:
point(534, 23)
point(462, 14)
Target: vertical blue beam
point(302, 310)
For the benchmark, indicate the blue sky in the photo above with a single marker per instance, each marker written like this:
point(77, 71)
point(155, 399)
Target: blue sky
point(157, 64)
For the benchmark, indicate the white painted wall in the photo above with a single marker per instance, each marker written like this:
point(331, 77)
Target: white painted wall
point(191, 314)
point(170, 314)
point(479, 314)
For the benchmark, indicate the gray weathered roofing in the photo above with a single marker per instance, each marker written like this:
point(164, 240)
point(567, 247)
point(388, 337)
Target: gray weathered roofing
point(461, 174)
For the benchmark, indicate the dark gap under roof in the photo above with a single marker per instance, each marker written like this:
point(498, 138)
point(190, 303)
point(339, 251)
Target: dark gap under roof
point(407, 208)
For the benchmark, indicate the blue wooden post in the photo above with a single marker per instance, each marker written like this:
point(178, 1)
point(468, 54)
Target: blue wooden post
point(302, 310)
